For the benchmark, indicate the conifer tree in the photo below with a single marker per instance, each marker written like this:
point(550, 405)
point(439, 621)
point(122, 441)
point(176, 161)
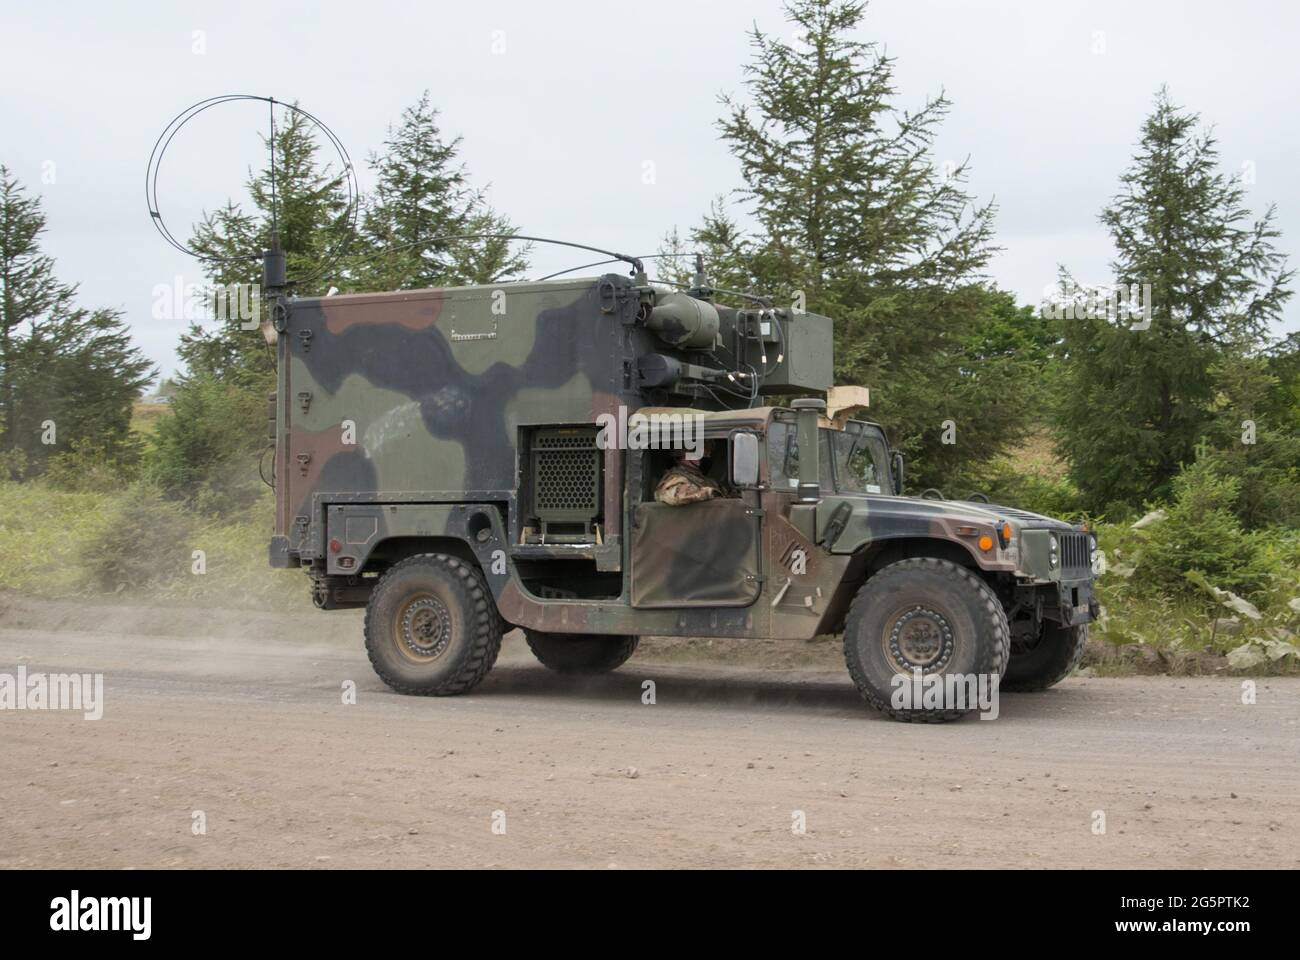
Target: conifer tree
point(1137, 399)
point(850, 208)
point(67, 373)
point(308, 205)
point(421, 195)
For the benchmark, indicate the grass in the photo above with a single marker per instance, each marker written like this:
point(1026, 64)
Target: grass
point(1036, 456)
point(145, 416)
point(52, 542)
point(47, 536)
point(43, 533)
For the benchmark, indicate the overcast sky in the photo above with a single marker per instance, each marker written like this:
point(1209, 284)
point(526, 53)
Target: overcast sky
point(564, 105)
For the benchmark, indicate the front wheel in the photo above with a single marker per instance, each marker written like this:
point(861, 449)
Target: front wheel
point(926, 640)
point(580, 653)
point(1047, 660)
point(432, 627)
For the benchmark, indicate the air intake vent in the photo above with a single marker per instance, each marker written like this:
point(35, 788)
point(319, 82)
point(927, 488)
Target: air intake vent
point(1076, 556)
point(566, 476)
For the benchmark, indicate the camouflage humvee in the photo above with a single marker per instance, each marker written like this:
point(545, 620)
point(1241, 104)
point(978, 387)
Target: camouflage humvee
point(463, 461)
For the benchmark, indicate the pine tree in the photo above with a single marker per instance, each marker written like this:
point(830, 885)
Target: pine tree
point(421, 194)
point(851, 210)
point(206, 450)
point(1254, 435)
point(59, 363)
point(1137, 401)
point(307, 203)
point(840, 180)
point(730, 259)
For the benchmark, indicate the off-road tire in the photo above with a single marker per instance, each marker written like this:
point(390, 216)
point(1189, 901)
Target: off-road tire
point(1051, 660)
point(961, 611)
point(432, 628)
point(580, 653)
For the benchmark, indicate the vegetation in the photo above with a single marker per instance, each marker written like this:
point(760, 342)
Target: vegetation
point(1174, 432)
point(68, 375)
point(1139, 393)
point(851, 215)
point(125, 541)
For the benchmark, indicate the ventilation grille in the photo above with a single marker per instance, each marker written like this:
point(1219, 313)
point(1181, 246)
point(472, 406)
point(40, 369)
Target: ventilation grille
point(1076, 555)
point(566, 475)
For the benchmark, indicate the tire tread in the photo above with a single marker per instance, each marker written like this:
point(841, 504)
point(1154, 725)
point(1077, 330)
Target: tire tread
point(989, 606)
point(481, 613)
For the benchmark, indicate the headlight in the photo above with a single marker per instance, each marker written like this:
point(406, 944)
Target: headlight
point(1054, 552)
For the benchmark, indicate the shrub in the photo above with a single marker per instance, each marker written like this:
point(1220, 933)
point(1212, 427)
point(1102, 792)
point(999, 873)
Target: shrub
point(205, 450)
point(1200, 532)
point(91, 466)
point(13, 464)
point(145, 542)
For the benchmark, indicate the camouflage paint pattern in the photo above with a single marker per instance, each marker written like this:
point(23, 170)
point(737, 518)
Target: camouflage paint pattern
point(399, 427)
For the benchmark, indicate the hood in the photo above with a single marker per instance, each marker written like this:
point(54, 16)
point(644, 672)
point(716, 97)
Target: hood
point(997, 511)
point(988, 513)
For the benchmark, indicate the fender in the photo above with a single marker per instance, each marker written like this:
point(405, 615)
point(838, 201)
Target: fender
point(876, 520)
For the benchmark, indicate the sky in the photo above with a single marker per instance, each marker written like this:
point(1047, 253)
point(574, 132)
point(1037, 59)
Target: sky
point(596, 121)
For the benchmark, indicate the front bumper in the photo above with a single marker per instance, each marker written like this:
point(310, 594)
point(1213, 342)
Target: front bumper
point(1075, 603)
point(1065, 588)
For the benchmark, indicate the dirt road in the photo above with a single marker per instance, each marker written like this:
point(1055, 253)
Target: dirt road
point(236, 722)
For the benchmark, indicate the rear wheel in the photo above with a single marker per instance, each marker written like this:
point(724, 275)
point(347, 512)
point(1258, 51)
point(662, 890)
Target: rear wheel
point(1046, 660)
point(580, 653)
point(928, 619)
point(432, 627)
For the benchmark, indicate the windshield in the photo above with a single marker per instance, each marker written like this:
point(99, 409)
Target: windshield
point(861, 461)
point(859, 454)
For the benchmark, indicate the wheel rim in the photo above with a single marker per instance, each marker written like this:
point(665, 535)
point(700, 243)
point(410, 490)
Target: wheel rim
point(423, 628)
point(919, 639)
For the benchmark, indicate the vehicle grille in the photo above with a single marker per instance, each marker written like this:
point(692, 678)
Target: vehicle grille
point(1076, 556)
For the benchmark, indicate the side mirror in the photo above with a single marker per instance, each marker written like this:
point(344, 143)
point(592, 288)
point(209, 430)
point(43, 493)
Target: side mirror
point(899, 465)
point(744, 459)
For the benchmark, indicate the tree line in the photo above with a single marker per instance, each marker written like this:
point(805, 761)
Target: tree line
point(838, 198)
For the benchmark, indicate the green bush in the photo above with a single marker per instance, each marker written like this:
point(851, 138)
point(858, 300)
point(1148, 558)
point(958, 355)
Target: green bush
point(144, 543)
point(205, 449)
point(13, 464)
point(1200, 532)
point(91, 465)
point(59, 543)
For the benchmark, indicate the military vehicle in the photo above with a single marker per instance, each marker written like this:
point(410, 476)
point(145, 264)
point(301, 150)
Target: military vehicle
point(464, 461)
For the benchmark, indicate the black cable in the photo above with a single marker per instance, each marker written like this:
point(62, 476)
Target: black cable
point(261, 465)
point(601, 263)
point(560, 273)
point(635, 262)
